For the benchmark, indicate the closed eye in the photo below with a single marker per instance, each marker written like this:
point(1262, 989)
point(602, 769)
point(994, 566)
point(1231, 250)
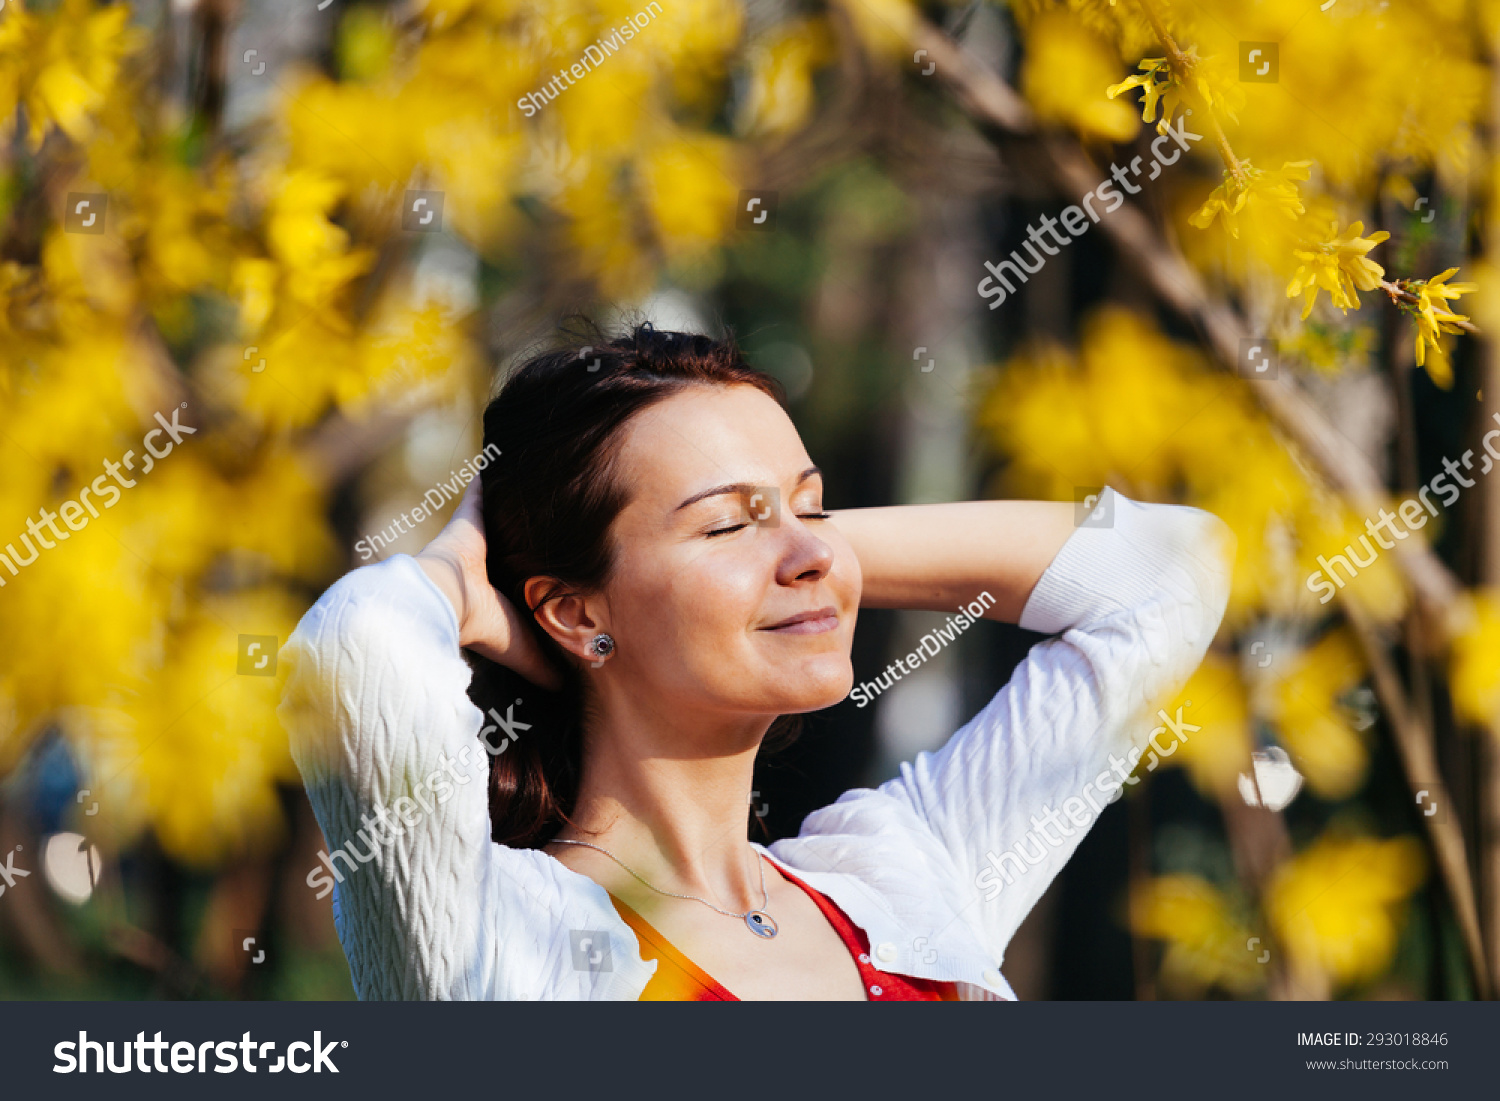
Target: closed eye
point(739, 527)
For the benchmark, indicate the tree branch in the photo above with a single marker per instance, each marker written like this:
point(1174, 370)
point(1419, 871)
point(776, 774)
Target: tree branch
point(1414, 744)
point(996, 106)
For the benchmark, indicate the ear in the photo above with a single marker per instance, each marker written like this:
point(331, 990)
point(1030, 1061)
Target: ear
point(568, 617)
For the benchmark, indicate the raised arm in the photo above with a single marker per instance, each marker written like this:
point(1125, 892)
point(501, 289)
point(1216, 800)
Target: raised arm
point(382, 729)
point(383, 732)
point(1134, 607)
point(937, 557)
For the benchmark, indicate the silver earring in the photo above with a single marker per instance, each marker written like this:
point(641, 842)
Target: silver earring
point(601, 646)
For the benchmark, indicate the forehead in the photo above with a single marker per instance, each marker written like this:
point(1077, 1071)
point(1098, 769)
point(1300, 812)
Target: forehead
point(706, 436)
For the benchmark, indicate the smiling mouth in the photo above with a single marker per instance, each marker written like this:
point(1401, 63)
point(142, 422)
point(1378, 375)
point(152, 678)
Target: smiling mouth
point(816, 622)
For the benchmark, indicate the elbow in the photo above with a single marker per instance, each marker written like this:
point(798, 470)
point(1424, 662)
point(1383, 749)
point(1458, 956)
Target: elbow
point(1192, 556)
point(1198, 572)
point(1215, 573)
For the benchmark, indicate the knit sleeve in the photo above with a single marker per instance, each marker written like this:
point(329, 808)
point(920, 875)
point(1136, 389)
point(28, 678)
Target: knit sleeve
point(1010, 796)
point(382, 729)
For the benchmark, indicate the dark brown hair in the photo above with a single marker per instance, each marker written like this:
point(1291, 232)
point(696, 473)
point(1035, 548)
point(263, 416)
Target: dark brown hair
point(550, 499)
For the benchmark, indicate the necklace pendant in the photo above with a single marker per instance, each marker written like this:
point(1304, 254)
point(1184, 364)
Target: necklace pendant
point(761, 923)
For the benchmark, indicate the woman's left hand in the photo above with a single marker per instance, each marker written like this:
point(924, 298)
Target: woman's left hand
point(488, 623)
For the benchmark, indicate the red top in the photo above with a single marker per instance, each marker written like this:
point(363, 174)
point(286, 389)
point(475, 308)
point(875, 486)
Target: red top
point(679, 979)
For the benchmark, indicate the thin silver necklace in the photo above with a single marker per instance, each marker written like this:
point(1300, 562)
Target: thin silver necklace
point(757, 921)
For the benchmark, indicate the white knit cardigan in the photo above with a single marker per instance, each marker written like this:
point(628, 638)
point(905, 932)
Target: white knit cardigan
point(427, 906)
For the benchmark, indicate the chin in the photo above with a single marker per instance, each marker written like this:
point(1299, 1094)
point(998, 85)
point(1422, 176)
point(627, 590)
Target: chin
point(816, 685)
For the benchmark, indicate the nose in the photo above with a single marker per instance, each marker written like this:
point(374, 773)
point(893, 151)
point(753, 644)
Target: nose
point(805, 557)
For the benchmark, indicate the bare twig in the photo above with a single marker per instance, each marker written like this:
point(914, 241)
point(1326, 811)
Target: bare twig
point(1414, 744)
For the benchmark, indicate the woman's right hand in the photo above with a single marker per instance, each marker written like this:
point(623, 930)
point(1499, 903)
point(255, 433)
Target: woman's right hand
point(488, 623)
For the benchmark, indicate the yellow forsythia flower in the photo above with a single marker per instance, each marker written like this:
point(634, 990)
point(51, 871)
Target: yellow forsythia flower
point(1275, 190)
point(1336, 907)
point(1475, 674)
point(1214, 698)
point(1337, 265)
point(1435, 318)
point(1157, 85)
point(1149, 416)
point(1065, 67)
point(63, 66)
point(1212, 86)
point(1207, 945)
point(690, 188)
point(780, 96)
point(1315, 730)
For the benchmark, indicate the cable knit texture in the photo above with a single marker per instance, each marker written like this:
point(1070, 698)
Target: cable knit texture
point(428, 906)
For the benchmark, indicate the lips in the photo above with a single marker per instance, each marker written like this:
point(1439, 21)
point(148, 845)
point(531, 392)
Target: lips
point(814, 622)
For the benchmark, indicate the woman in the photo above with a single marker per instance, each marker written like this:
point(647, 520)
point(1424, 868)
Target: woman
point(655, 514)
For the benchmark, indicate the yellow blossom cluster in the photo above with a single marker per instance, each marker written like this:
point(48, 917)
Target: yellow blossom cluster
point(1133, 409)
point(1336, 907)
point(1335, 910)
point(1364, 92)
point(1217, 700)
point(1338, 265)
point(1208, 943)
point(1153, 418)
point(1475, 676)
point(1356, 86)
point(1322, 737)
point(261, 285)
point(1377, 93)
point(1275, 192)
point(1066, 68)
point(1434, 318)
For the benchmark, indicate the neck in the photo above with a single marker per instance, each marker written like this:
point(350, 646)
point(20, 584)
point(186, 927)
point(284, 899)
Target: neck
point(669, 796)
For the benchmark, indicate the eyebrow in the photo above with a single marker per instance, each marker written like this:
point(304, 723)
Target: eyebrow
point(740, 487)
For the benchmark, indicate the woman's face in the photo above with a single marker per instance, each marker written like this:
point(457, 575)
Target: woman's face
point(729, 591)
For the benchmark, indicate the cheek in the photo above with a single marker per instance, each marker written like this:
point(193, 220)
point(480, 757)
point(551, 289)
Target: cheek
point(698, 608)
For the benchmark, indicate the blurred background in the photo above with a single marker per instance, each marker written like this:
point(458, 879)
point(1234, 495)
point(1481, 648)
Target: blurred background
point(287, 248)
